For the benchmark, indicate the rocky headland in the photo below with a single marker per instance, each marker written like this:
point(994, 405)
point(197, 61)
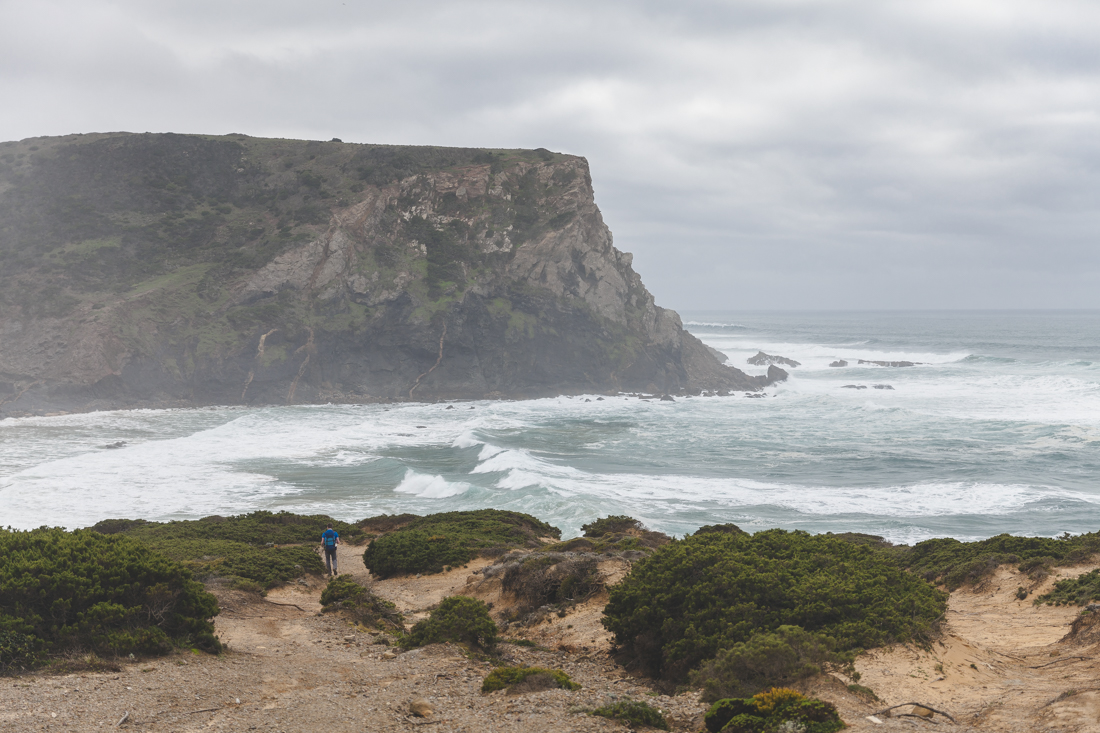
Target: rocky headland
point(170, 270)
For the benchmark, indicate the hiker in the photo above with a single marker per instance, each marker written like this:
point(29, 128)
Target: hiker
point(329, 540)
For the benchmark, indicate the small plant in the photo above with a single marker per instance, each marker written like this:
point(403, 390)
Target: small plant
point(1080, 590)
point(458, 619)
point(778, 709)
point(766, 660)
point(635, 714)
point(18, 652)
point(363, 607)
point(861, 690)
point(506, 677)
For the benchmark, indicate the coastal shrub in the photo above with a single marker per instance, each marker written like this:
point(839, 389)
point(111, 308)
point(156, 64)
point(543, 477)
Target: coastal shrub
point(1073, 591)
point(777, 709)
point(357, 601)
point(84, 590)
point(248, 546)
point(768, 659)
point(695, 596)
point(550, 579)
point(256, 528)
point(429, 544)
point(614, 523)
point(634, 714)
point(459, 619)
point(18, 652)
point(956, 563)
point(503, 677)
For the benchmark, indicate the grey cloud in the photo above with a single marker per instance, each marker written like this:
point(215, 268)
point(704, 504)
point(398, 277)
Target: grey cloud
point(942, 153)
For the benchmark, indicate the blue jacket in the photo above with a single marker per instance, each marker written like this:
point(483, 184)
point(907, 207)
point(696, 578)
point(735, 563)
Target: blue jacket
point(328, 539)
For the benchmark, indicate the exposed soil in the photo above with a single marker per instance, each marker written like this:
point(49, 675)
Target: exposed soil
point(1002, 664)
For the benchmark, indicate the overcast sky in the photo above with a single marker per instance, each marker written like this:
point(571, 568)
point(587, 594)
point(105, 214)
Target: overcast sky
point(751, 153)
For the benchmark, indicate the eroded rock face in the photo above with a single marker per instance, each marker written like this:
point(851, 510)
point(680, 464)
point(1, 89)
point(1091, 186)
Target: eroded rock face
point(175, 269)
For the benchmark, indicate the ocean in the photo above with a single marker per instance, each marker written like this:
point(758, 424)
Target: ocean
point(996, 429)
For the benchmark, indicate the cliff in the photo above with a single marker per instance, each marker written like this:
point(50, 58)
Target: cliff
point(163, 269)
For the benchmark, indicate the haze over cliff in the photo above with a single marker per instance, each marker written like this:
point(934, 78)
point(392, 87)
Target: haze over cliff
point(164, 269)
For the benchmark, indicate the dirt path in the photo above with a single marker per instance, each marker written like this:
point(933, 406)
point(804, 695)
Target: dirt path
point(290, 669)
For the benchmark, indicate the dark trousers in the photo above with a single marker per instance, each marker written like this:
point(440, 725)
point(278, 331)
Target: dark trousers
point(330, 560)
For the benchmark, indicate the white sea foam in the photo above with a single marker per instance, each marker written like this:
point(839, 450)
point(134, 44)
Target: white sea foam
point(429, 487)
point(1023, 435)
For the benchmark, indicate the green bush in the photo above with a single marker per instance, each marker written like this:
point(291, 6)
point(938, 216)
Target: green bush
point(614, 523)
point(550, 579)
point(247, 546)
point(459, 619)
point(257, 528)
point(1073, 591)
point(343, 594)
point(956, 563)
point(768, 659)
point(774, 710)
point(694, 596)
point(429, 544)
point(18, 652)
point(634, 714)
point(502, 677)
point(109, 594)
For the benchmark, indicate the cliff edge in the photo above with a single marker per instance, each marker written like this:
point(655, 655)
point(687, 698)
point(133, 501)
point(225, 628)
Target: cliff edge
point(164, 269)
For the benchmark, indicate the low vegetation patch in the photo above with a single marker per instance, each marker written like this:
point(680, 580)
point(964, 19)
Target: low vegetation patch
point(544, 679)
point(343, 594)
point(451, 539)
point(955, 563)
point(63, 591)
point(768, 659)
point(459, 619)
point(549, 579)
point(249, 547)
point(614, 535)
point(778, 709)
point(634, 714)
point(693, 597)
point(1073, 591)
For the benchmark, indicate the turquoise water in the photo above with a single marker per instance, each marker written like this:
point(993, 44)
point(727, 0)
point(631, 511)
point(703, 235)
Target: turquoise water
point(997, 430)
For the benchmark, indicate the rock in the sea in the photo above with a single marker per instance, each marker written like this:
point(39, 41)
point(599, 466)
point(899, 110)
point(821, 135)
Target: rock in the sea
point(717, 354)
point(891, 363)
point(119, 444)
point(421, 708)
point(838, 363)
point(761, 359)
point(755, 394)
point(854, 386)
point(775, 374)
point(882, 386)
point(667, 398)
